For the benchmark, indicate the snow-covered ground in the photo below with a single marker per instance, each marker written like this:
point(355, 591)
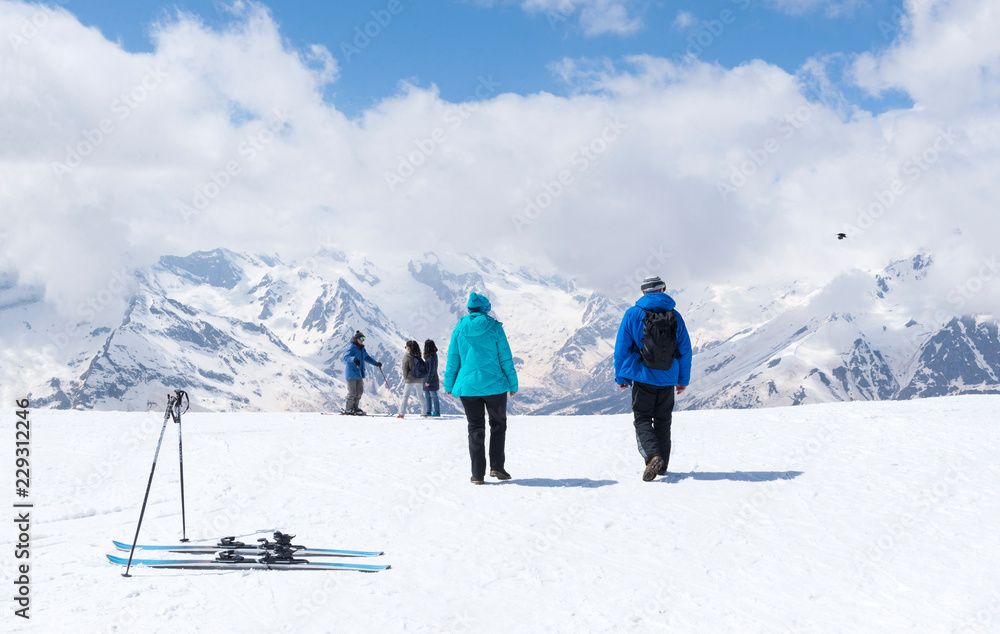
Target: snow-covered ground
point(851, 517)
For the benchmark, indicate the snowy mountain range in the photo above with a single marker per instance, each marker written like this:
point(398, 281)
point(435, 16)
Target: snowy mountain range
point(248, 332)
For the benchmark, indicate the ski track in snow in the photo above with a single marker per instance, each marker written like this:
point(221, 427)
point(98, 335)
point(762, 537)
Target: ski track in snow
point(849, 517)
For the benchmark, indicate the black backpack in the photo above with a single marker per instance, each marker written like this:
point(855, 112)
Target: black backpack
point(659, 341)
point(419, 368)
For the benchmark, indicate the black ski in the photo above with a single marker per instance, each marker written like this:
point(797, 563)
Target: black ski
point(282, 544)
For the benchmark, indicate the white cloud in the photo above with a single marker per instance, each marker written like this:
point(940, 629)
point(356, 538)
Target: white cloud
point(224, 139)
point(945, 55)
point(830, 8)
point(597, 17)
point(684, 20)
point(608, 16)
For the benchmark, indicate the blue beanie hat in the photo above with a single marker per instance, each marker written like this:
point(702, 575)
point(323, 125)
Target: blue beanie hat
point(478, 303)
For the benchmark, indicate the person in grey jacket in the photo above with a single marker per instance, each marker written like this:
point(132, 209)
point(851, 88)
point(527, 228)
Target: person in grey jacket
point(410, 383)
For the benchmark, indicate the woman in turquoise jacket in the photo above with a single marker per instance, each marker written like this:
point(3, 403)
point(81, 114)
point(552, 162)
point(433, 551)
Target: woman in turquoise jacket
point(480, 371)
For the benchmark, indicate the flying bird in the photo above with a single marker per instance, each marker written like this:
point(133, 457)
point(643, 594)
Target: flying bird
point(841, 236)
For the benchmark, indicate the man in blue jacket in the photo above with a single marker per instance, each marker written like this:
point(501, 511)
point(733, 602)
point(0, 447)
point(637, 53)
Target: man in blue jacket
point(355, 359)
point(653, 387)
point(481, 371)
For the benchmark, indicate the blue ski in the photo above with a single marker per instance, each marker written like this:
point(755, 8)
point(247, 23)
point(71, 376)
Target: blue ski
point(243, 563)
point(281, 546)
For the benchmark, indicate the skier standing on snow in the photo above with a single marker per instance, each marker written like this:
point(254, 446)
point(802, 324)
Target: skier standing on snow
point(432, 404)
point(481, 372)
point(653, 355)
point(412, 379)
point(355, 359)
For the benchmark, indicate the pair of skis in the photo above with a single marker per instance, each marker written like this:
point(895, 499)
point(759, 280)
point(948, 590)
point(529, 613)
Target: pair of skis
point(411, 416)
point(231, 554)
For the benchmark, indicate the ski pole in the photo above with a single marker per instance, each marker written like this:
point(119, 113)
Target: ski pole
point(181, 395)
point(383, 377)
point(135, 540)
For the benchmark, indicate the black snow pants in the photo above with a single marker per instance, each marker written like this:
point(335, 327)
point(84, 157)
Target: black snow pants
point(652, 407)
point(496, 407)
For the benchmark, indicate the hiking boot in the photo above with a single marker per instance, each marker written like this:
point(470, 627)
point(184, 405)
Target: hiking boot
point(477, 480)
point(499, 474)
point(399, 416)
point(662, 470)
point(652, 467)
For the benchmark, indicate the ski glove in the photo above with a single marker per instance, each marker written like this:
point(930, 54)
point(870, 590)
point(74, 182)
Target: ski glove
point(378, 365)
point(357, 362)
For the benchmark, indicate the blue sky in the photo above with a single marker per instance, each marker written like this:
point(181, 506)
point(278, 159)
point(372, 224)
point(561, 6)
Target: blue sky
point(451, 43)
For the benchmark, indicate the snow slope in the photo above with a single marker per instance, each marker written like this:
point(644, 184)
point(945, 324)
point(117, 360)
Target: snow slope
point(848, 517)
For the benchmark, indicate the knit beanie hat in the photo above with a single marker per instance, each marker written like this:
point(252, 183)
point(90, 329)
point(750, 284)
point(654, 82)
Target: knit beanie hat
point(358, 336)
point(478, 303)
point(653, 283)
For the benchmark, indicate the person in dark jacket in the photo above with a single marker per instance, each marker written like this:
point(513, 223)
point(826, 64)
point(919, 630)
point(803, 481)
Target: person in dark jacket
point(652, 389)
point(481, 371)
point(355, 359)
point(432, 404)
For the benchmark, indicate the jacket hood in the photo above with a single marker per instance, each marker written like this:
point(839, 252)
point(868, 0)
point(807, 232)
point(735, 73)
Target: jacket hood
point(656, 301)
point(477, 324)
